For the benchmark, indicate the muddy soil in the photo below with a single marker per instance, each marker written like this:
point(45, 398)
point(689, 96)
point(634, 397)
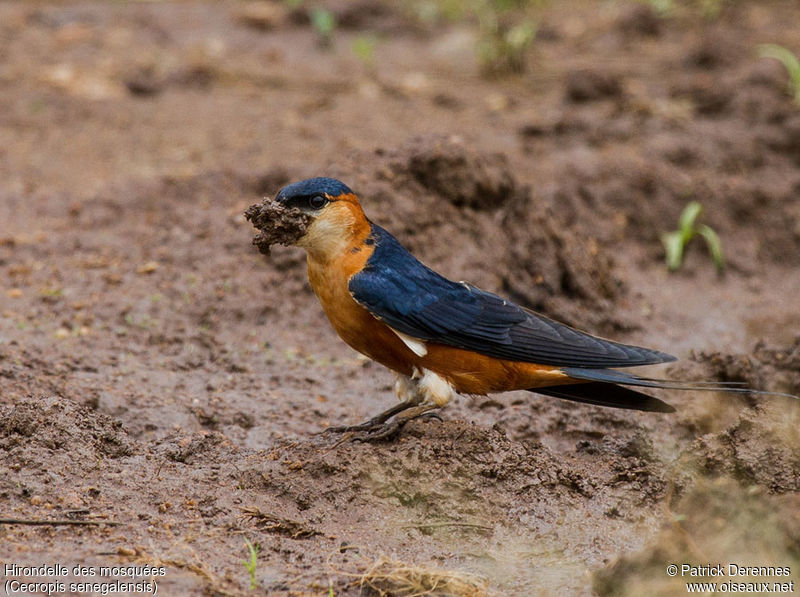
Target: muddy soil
point(161, 381)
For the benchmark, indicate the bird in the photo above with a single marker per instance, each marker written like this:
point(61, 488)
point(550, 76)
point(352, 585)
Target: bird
point(443, 338)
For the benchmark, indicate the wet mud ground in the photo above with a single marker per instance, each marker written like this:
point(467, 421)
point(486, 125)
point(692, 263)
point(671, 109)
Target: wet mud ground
point(158, 372)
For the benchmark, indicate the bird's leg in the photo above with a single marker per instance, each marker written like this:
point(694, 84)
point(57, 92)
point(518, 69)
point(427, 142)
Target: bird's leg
point(378, 420)
point(420, 394)
point(391, 427)
point(406, 389)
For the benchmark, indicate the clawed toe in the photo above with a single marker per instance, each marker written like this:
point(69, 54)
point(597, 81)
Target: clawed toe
point(427, 416)
point(367, 426)
point(386, 431)
point(365, 432)
point(382, 427)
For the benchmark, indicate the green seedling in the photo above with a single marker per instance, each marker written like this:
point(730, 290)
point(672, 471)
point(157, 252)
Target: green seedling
point(688, 227)
point(502, 49)
point(663, 8)
point(432, 12)
point(789, 62)
point(364, 49)
point(709, 9)
point(506, 30)
point(250, 565)
point(503, 40)
point(324, 23)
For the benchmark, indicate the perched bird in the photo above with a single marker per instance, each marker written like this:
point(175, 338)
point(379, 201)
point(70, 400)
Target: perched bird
point(443, 337)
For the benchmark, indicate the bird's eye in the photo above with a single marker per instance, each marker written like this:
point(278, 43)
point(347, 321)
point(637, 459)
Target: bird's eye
point(317, 201)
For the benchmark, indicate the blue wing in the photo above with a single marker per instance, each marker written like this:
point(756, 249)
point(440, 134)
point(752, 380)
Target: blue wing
point(413, 299)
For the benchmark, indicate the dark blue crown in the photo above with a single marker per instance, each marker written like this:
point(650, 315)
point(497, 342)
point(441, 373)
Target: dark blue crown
point(313, 186)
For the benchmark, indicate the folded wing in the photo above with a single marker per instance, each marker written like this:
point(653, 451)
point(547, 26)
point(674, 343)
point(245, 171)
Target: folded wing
point(413, 299)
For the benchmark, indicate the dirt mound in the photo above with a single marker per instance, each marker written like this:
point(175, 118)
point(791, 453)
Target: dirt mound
point(762, 448)
point(753, 438)
point(429, 471)
point(447, 167)
point(55, 424)
point(194, 448)
point(491, 498)
point(45, 440)
point(554, 265)
point(717, 522)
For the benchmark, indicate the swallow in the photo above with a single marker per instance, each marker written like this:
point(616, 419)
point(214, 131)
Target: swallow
point(444, 338)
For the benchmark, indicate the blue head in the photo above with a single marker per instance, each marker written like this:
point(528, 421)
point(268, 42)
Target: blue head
point(337, 219)
point(312, 194)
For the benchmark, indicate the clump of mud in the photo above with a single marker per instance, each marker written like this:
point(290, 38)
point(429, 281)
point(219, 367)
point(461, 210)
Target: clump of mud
point(277, 225)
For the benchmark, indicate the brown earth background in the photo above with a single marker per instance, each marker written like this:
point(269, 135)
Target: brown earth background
point(158, 373)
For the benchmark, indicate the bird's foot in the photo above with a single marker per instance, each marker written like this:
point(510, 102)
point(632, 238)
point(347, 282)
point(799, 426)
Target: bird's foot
point(366, 426)
point(375, 421)
point(431, 415)
point(383, 426)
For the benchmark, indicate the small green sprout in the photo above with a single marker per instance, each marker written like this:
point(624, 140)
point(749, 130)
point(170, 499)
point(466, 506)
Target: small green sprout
point(364, 49)
point(663, 8)
point(789, 62)
point(506, 28)
point(431, 12)
point(251, 564)
point(711, 9)
point(708, 9)
point(502, 46)
point(675, 242)
point(324, 23)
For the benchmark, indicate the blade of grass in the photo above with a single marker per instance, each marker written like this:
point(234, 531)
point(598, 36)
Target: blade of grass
point(324, 23)
point(788, 60)
point(673, 245)
point(714, 245)
point(686, 224)
point(251, 565)
point(363, 47)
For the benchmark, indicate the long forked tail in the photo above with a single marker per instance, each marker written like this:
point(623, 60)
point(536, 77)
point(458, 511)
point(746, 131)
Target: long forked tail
point(601, 388)
point(606, 394)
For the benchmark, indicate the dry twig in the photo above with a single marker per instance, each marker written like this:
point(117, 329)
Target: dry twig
point(58, 522)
